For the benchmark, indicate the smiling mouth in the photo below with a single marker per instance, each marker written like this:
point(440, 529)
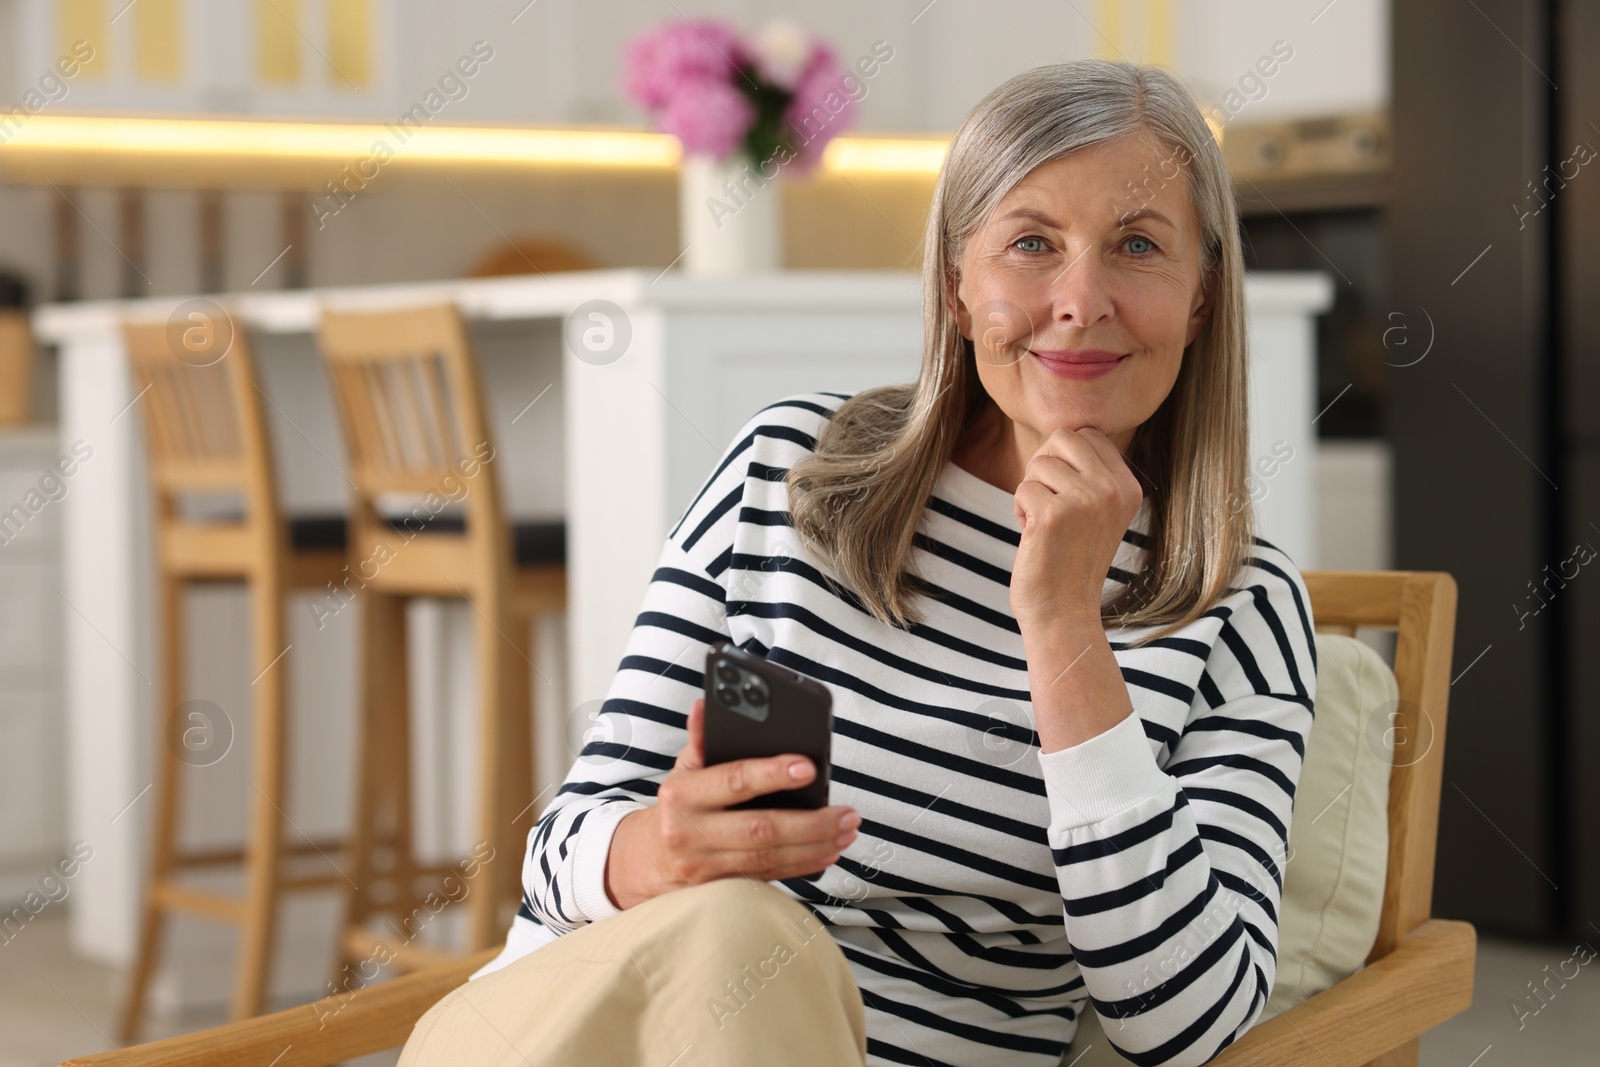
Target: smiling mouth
point(1083, 360)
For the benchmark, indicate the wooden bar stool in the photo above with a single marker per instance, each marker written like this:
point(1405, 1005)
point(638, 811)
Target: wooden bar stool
point(408, 393)
point(206, 437)
point(18, 366)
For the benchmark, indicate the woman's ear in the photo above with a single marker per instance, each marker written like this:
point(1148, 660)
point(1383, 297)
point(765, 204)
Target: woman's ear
point(1202, 312)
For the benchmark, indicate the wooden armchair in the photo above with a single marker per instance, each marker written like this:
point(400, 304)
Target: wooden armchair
point(1418, 974)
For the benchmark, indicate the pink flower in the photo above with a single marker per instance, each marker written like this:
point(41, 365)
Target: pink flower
point(661, 61)
point(710, 117)
point(820, 110)
point(690, 75)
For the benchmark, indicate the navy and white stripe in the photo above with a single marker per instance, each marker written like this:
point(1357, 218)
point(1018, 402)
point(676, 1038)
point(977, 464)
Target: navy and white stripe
point(994, 892)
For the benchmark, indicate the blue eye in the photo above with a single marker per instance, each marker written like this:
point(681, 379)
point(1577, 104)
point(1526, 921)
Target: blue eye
point(1146, 240)
point(1019, 240)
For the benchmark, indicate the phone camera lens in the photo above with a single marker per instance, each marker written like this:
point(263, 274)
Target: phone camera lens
point(755, 694)
point(728, 695)
point(726, 672)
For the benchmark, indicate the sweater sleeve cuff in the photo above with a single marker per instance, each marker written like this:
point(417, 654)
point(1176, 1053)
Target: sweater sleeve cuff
point(589, 856)
point(1098, 778)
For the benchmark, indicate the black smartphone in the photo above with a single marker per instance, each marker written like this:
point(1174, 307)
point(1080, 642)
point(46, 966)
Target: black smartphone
point(756, 708)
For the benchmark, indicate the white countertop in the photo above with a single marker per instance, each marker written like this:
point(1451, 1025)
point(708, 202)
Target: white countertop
point(555, 295)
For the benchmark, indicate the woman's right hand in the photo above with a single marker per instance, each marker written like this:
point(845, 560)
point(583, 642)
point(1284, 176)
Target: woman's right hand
point(687, 837)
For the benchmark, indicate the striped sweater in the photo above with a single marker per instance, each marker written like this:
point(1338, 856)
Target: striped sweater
point(994, 892)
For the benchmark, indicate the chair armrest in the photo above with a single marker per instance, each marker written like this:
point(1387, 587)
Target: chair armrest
point(336, 1028)
point(1424, 981)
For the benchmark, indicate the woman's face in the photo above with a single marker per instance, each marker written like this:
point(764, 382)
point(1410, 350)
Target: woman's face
point(1095, 255)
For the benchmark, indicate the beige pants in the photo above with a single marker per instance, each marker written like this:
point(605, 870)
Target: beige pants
point(731, 972)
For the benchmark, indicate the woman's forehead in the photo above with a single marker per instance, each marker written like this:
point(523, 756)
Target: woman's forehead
point(1131, 166)
point(1106, 194)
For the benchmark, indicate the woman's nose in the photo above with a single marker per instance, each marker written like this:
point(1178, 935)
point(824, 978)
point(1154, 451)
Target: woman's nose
point(1081, 291)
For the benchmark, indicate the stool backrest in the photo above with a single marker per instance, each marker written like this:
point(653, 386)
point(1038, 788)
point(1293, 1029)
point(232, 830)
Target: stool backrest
point(195, 384)
point(407, 389)
point(1421, 607)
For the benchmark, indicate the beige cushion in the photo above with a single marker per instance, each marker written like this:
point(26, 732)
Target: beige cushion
point(1338, 838)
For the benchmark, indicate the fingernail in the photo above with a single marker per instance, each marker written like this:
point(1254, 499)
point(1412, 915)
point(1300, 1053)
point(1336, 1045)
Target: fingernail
point(799, 769)
point(849, 821)
point(844, 839)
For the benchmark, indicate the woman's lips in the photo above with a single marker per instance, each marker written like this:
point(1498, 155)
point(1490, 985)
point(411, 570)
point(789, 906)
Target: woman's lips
point(1081, 365)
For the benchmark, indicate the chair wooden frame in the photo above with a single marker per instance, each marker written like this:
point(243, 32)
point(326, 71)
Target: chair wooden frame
point(1418, 974)
point(205, 433)
point(411, 404)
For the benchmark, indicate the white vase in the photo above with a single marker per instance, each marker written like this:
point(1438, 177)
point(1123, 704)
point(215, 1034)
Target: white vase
point(729, 216)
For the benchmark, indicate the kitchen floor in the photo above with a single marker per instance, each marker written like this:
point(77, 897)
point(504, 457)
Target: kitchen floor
point(54, 1005)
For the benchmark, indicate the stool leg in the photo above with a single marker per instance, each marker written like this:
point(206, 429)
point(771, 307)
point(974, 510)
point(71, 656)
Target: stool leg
point(164, 822)
point(521, 802)
point(383, 706)
point(398, 841)
point(493, 650)
point(264, 846)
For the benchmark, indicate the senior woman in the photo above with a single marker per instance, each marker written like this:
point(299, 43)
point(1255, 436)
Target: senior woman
point(1071, 686)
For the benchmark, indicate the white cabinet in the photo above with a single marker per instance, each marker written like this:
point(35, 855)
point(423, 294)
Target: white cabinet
point(33, 830)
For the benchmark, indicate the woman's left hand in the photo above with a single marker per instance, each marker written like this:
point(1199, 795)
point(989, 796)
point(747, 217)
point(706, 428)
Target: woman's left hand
point(1076, 500)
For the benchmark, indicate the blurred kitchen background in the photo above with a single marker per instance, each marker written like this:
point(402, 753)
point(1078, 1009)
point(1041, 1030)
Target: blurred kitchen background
point(1404, 152)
